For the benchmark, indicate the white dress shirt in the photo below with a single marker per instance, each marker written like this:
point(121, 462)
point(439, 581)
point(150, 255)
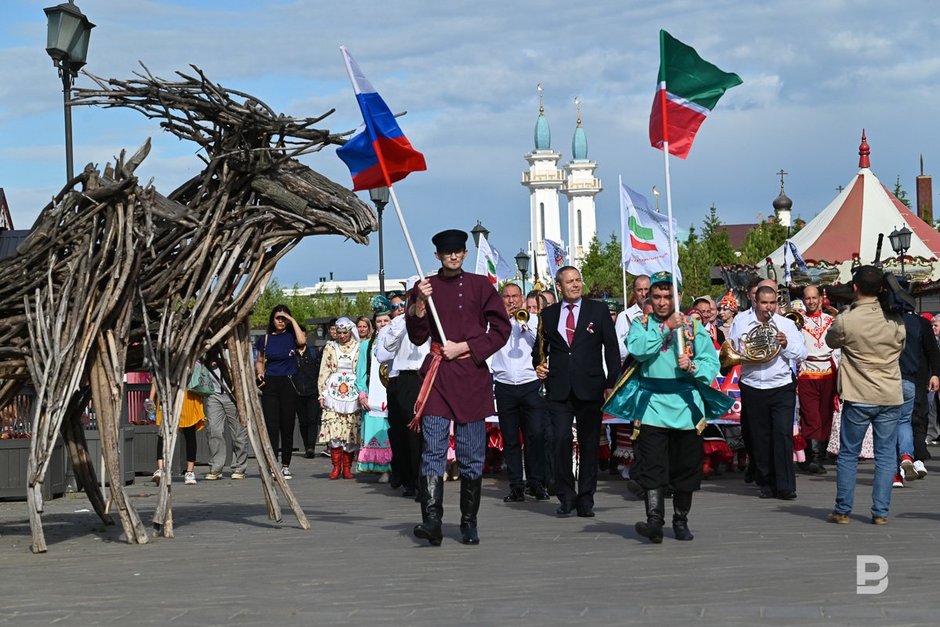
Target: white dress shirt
point(563, 318)
point(407, 356)
point(622, 327)
point(512, 364)
point(780, 370)
point(382, 354)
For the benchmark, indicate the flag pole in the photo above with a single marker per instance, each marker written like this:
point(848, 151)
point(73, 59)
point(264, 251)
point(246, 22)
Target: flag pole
point(673, 249)
point(414, 254)
point(623, 266)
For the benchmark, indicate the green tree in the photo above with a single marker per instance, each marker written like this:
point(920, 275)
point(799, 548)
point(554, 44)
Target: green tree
point(761, 241)
point(694, 267)
point(601, 270)
point(717, 246)
point(319, 305)
point(900, 194)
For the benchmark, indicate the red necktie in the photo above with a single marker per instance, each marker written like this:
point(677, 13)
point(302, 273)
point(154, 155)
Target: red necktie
point(569, 324)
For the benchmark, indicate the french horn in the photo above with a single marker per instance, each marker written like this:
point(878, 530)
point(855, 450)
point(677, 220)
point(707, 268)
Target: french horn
point(758, 346)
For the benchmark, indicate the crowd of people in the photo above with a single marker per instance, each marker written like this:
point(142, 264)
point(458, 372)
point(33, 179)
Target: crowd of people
point(567, 386)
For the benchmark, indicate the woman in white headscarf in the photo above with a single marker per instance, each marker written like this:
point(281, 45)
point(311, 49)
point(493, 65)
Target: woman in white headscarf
point(339, 398)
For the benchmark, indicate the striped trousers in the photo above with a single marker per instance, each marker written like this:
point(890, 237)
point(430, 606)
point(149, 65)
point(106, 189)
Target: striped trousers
point(470, 446)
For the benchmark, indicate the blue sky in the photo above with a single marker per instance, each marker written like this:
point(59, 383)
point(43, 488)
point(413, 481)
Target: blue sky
point(815, 73)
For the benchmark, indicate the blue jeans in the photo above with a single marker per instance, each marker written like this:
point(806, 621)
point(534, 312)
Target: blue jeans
point(856, 418)
point(905, 432)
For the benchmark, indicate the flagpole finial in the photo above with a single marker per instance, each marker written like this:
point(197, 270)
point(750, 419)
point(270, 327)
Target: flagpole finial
point(577, 103)
point(541, 100)
point(864, 152)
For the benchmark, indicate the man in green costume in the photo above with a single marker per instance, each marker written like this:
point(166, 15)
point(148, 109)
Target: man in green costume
point(669, 393)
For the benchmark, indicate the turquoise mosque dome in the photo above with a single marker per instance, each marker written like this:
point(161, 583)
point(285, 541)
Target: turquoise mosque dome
point(579, 145)
point(543, 135)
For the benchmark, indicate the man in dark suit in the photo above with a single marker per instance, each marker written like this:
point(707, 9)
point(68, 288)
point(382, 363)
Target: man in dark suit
point(583, 361)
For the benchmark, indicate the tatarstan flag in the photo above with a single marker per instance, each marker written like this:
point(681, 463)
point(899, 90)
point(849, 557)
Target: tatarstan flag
point(689, 88)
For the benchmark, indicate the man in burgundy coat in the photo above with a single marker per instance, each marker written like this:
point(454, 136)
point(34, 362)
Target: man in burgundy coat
point(458, 385)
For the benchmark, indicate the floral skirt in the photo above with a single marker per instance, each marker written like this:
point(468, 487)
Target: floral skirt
point(376, 452)
point(342, 427)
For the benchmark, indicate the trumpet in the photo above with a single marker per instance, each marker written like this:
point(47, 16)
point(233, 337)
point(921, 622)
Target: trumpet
point(521, 316)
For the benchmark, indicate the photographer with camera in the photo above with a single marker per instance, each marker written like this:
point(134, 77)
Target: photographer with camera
point(871, 337)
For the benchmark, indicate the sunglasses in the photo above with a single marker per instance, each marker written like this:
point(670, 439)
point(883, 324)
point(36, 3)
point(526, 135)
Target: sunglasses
point(399, 306)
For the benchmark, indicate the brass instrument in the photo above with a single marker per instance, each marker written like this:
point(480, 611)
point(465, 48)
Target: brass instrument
point(758, 346)
point(383, 375)
point(540, 340)
point(784, 309)
point(796, 317)
point(521, 316)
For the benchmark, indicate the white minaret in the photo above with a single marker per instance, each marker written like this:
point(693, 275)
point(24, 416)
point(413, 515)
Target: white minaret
point(581, 187)
point(544, 181)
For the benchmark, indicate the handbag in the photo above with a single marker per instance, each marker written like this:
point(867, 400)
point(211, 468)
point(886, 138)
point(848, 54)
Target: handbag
point(308, 370)
point(200, 381)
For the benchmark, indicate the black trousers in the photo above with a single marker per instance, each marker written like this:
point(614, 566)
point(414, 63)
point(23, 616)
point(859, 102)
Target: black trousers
point(279, 405)
point(671, 457)
point(189, 438)
point(770, 420)
point(919, 423)
point(521, 409)
point(588, 414)
point(308, 415)
point(406, 444)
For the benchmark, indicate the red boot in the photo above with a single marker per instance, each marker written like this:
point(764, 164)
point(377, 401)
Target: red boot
point(336, 456)
point(347, 465)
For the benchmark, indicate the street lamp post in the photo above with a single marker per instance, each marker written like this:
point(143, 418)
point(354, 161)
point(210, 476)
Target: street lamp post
point(900, 244)
point(67, 34)
point(522, 264)
point(479, 231)
point(379, 196)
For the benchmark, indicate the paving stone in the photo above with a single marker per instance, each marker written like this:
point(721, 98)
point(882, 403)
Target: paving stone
point(751, 561)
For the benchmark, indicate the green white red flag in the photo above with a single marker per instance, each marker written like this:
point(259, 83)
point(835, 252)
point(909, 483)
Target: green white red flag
point(689, 88)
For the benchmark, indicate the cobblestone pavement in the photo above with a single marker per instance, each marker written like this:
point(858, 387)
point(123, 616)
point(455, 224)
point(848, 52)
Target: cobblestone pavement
point(752, 560)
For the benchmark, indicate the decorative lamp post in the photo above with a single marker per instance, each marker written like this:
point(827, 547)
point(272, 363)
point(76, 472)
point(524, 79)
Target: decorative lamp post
point(901, 243)
point(522, 264)
point(379, 196)
point(67, 37)
point(479, 231)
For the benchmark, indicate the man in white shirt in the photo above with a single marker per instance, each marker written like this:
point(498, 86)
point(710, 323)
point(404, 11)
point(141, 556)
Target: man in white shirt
point(768, 396)
point(404, 359)
point(518, 403)
point(641, 291)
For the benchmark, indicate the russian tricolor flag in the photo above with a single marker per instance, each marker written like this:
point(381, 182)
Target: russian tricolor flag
point(379, 153)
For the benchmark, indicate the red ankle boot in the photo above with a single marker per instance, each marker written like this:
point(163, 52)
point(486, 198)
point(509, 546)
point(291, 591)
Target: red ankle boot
point(336, 455)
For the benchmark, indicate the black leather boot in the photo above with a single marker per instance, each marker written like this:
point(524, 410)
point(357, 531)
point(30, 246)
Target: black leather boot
point(681, 504)
point(813, 460)
point(655, 516)
point(470, 491)
point(822, 454)
point(431, 491)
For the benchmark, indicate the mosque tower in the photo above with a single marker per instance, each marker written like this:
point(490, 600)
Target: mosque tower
point(544, 181)
point(581, 188)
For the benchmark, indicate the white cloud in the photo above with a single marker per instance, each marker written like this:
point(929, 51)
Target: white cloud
point(815, 72)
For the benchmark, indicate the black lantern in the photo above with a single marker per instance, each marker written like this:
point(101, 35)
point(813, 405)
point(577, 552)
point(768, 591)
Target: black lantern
point(67, 35)
point(900, 243)
point(522, 264)
point(478, 231)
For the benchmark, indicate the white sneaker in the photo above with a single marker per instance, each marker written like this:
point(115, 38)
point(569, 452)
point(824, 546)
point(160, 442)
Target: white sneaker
point(907, 469)
point(157, 476)
point(189, 478)
point(920, 469)
point(285, 472)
